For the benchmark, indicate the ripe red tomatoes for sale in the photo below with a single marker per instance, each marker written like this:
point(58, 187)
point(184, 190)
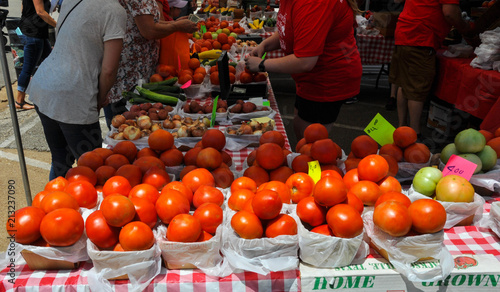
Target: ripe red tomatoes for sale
point(198, 177)
point(84, 193)
point(170, 204)
point(283, 224)
point(144, 191)
point(247, 225)
point(373, 168)
point(344, 221)
point(25, 225)
point(184, 228)
point(301, 185)
point(118, 210)
point(393, 218)
point(266, 204)
point(330, 191)
point(116, 184)
point(311, 212)
point(136, 236)
point(207, 194)
point(428, 216)
point(394, 196)
point(210, 216)
point(62, 227)
point(100, 232)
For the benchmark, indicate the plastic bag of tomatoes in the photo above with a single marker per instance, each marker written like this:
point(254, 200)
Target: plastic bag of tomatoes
point(203, 255)
point(457, 213)
point(403, 251)
point(328, 251)
point(140, 266)
point(260, 254)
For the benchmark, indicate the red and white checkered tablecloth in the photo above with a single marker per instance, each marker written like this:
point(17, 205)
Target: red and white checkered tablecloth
point(375, 49)
point(272, 54)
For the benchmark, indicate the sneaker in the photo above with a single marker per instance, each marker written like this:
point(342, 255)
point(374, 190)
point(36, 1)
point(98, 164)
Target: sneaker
point(391, 104)
point(351, 100)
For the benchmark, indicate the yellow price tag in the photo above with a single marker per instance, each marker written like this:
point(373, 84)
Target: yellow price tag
point(380, 130)
point(314, 170)
point(262, 119)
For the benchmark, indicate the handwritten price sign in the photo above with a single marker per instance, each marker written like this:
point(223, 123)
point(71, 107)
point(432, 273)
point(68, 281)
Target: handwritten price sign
point(459, 166)
point(314, 170)
point(380, 130)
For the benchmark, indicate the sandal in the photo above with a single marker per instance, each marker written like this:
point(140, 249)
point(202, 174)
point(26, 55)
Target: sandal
point(24, 105)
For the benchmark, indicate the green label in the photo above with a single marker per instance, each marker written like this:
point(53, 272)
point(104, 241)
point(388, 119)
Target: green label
point(203, 29)
point(214, 112)
point(339, 283)
point(380, 130)
point(266, 103)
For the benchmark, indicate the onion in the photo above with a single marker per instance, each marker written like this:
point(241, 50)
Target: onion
point(182, 132)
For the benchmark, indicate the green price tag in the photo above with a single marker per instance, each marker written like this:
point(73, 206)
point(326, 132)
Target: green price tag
point(314, 170)
point(203, 29)
point(214, 112)
point(266, 103)
point(380, 130)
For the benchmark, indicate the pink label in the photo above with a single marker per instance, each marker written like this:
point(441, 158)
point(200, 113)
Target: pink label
point(459, 166)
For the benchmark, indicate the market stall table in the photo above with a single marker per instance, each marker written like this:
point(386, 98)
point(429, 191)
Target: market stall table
point(472, 90)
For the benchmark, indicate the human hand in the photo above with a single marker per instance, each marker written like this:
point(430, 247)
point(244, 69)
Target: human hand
point(185, 25)
point(252, 63)
point(258, 51)
point(102, 103)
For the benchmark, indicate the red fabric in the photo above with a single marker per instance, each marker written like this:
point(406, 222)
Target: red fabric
point(322, 28)
point(422, 23)
point(166, 10)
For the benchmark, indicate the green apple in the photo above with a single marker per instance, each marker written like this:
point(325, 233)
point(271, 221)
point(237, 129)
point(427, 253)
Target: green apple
point(234, 35)
point(219, 30)
point(426, 179)
point(197, 35)
point(214, 35)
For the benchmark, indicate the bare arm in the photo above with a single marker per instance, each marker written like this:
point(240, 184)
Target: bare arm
point(109, 69)
point(157, 30)
point(453, 16)
point(40, 11)
point(270, 44)
point(290, 64)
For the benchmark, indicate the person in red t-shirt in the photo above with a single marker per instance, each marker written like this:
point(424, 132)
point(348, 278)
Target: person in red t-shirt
point(317, 37)
point(420, 31)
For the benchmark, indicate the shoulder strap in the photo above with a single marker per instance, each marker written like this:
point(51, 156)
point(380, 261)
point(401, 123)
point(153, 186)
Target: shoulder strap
point(69, 13)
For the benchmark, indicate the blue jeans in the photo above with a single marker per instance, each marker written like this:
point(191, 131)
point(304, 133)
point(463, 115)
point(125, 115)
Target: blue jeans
point(67, 142)
point(35, 51)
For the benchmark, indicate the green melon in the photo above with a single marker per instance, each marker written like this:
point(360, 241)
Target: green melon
point(474, 159)
point(448, 151)
point(470, 141)
point(488, 157)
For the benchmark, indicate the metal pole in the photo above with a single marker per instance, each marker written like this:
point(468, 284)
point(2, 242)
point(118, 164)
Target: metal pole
point(15, 124)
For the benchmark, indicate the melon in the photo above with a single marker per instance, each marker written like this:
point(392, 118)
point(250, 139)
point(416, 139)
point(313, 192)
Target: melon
point(488, 158)
point(448, 151)
point(474, 159)
point(470, 141)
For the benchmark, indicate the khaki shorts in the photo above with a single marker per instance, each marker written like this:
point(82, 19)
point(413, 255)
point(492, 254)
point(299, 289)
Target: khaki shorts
point(413, 69)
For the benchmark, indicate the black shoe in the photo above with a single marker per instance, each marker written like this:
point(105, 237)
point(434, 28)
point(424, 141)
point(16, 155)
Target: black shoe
point(351, 100)
point(391, 104)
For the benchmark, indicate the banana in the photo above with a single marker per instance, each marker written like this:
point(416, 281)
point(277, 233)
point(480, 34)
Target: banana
point(256, 22)
point(210, 54)
point(252, 26)
point(261, 23)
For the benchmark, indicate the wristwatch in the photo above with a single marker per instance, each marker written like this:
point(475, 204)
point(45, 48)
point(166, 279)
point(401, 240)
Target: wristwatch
point(262, 67)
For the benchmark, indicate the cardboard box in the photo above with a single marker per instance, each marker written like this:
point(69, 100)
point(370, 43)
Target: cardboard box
point(445, 119)
point(471, 273)
point(38, 262)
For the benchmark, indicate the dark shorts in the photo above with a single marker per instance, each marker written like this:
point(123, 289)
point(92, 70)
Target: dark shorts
point(317, 112)
point(413, 69)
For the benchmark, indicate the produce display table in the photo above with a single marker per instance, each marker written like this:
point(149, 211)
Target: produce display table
point(375, 49)
point(477, 93)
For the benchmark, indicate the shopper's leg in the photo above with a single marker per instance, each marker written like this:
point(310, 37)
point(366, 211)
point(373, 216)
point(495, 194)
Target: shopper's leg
point(415, 112)
point(82, 138)
point(62, 159)
point(402, 108)
point(23, 80)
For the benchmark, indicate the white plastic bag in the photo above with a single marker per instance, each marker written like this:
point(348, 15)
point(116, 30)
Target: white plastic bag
point(73, 253)
point(324, 251)
point(455, 212)
point(261, 255)
point(495, 218)
point(202, 255)
point(140, 266)
point(407, 170)
point(403, 251)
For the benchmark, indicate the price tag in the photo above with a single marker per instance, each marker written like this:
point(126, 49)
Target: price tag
point(203, 29)
point(266, 103)
point(314, 170)
point(380, 130)
point(262, 119)
point(459, 166)
point(214, 112)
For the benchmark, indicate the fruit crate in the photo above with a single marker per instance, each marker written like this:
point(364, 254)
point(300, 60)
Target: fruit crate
point(38, 262)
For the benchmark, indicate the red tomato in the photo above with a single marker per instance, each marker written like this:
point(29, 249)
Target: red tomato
point(345, 221)
point(354, 201)
point(136, 236)
point(198, 177)
point(367, 191)
point(37, 200)
point(210, 216)
point(301, 186)
point(116, 184)
point(62, 227)
point(247, 225)
point(454, 188)
point(145, 211)
point(184, 228)
point(207, 194)
point(238, 199)
point(388, 184)
point(427, 215)
point(283, 224)
point(329, 191)
point(266, 204)
point(84, 193)
point(58, 200)
point(204, 236)
point(279, 187)
point(330, 172)
point(394, 196)
point(100, 232)
point(311, 212)
point(171, 204)
point(57, 184)
point(323, 229)
point(244, 183)
point(117, 209)
point(373, 167)
point(144, 191)
point(25, 224)
point(393, 218)
point(181, 187)
point(351, 178)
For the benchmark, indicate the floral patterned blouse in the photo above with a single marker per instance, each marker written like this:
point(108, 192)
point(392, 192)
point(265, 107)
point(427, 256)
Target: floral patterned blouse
point(139, 55)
